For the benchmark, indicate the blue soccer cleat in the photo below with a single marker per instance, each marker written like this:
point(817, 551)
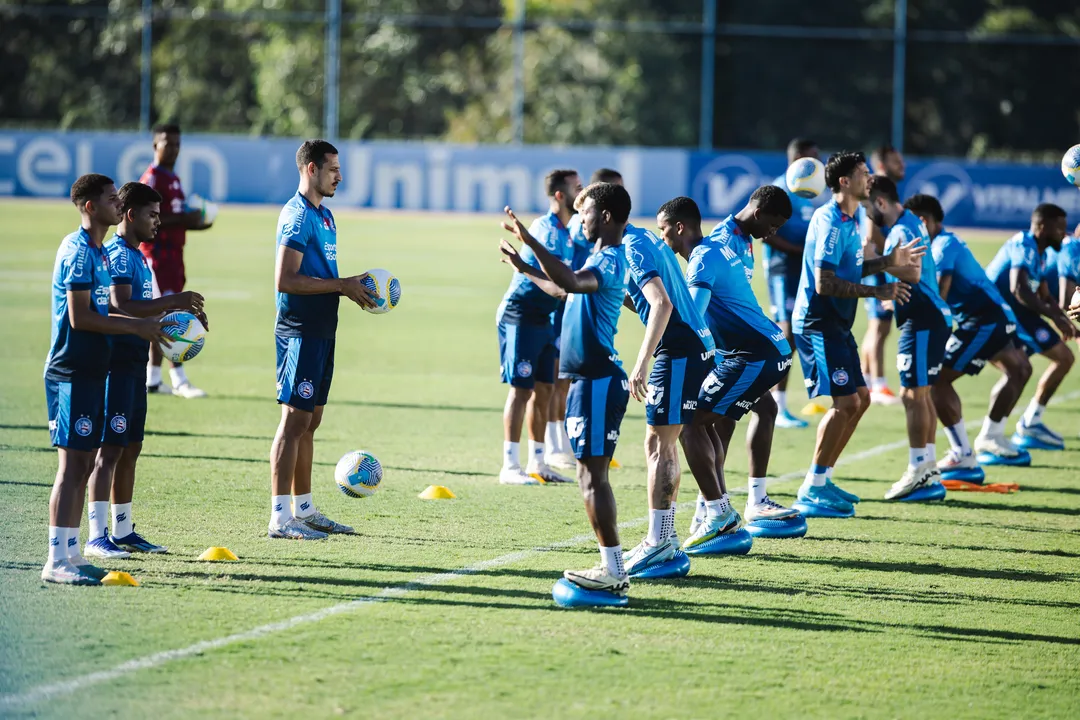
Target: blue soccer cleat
point(1037, 437)
point(133, 542)
point(841, 492)
point(568, 595)
point(819, 501)
point(676, 565)
point(955, 466)
point(738, 542)
point(790, 527)
point(787, 421)
point(926, 493)
point(999, 451)
point(103, 547)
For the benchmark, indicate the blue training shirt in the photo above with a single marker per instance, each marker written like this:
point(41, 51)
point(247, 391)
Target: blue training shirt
point(587, 344)
point(1064, 263)
point(1021, 251)
point(833, 242)
point(524, 301)
point(738, 324)
point(582, 247)
point(925, 308)
point(687, 334)
point(78, 354)
point(309, 230)
point(971, 294)
point(127, 266)
point(778, 262)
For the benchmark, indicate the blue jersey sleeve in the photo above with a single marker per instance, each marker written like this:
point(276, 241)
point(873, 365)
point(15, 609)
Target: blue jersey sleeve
point(293, 231)
point(1069, 262)
point(945, 256)
point(698, 272)
point(828, 250)
point(642, 260)
point(121, 269)
point(605, 267)
point(77, 273)
point(897, 236)
point(1022, 257)
point(548, 236)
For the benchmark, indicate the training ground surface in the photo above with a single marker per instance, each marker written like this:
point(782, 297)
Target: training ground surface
point(966, 608)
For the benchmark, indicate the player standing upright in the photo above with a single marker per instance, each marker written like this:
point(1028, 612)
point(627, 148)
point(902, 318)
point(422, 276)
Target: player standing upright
point(925, 323)
point(527, 344)
point(1018, 270)
point(76, 369)
point(308, 289)
point(599, 388)
point(166, 251)
point(829, 289)
point(783, 267)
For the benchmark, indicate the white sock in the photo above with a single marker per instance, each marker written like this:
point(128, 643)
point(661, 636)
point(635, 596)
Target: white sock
point(122, 522)
point(153, 374)
point(757, 490)
point(178, 376)
point(991, 428)
point(669, 522)
point(781, 399)
point(613, 560)
point(72, 541)
point(536, 452)
point(657, 520)
point(564, 439)
point(699, 508)
point(280, 512)
point(97, 511)
point(877, 384)
point(57, 543)
point(303, 506)
point(958, 438)
point(828, 473)
point(549, 435)
point(916, 456)
point(511, 455)
point(931, 452)
point(1034, 412)
point(815, 477)
point(716, 508)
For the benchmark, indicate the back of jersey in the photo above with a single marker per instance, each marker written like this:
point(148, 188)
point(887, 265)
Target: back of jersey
point(925, 296)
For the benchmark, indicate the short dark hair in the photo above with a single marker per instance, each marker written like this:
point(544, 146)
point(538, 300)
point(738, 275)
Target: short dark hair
point(926, 206)
point(1048, 211)
point(799, 147)
point(556, 181)
point(89, 187)
point(681, 209)
point(881, 152)
point(773, 200)
point(607, 196)
point(841, 165)
point(136, 195)
point(314, 151)
point(881, 185)
point(167, 128)
point(605, 175)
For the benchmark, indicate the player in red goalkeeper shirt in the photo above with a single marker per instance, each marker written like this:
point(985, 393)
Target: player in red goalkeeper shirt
point(166, 252)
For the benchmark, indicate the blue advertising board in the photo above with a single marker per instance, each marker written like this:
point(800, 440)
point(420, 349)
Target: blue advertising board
point(445, 177)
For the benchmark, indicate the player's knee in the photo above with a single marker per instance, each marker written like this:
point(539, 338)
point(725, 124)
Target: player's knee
point(316, 421)
point(1064, 357)
point(519, 396)
point(108, 457)
point(295, 423)
point(765, 408)
point(76, 466)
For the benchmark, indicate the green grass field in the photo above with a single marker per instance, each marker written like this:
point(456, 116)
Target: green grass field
point(965, 608)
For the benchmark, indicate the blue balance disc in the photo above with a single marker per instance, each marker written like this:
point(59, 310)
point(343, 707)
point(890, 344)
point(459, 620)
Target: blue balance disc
point(925, 494)
point(1029, 443)
point(793, 527)
point(676, 567)
point(736, 543)
point(808, 510)
point(971, 475)
point(569, 595)
point(1023, 459)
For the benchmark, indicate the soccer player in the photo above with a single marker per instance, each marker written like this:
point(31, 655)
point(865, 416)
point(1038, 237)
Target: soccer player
point(527, 346)
point(125, 389)
point(752, 349)
point(166, 251)
point(76, 369)
point(925, 323)
point(1062, 269)
point(783, 266)
point(985, 332)
point(1018, 270)
point(829, 289)
point(599, 389)
point(308, 289)
point(885, 161)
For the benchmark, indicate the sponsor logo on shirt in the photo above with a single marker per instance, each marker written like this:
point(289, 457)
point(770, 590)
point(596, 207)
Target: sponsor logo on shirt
point(690, 405)
point(575, 427)
point(655, 395)
point(903, 362)
point(744, 404)
point(613, 436)
point(782, 365)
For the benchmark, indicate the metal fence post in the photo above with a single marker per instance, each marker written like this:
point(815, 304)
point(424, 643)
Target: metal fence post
point(144, 70)
point(333, 63)
point(708, 73)
point(899, 74)
point(517, 111)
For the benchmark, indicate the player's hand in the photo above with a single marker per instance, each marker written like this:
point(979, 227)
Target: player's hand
point(193, 220)
point(1073, 311)
point(189, 301)
point(355, 289)
point(909, 254)
point(510, 255)
point(515, 227)
point(153, 329)
point(900, 292)
point(639, 384)
point(1065, 327)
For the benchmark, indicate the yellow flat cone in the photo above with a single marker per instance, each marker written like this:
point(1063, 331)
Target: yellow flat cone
point(437, 492)
point(813, 408)
point(219, 554)
point(117, 577)
point(615, 464)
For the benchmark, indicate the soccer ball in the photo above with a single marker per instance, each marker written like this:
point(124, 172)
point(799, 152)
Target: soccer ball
point(806, 177)
point(358, 474)
point(188, 337)
point(385, 288)
point(1070, 165)
point(209, 209)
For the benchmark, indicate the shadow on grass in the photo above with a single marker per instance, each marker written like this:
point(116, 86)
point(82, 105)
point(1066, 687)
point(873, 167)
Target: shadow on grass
point(159, 433)
point(373, 404)
point(926, 569)
point(1062, 491)
point(938, 546)
point(997, 526)
point(28, 484)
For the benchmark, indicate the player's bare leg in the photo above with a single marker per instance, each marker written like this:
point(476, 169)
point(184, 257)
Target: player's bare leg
point(610, 574)
point(303, 506)
point(284, 457)
point(154, 382)
point(920, 421)
point(834, 432)
point(537, 412)
point(1030, 429)
point(99, 544)
point(1016, 372)
point(123, 488)
point(517, 400)
point(873, 360)
point(703, 445)
point(65, 565)
point(662, 458)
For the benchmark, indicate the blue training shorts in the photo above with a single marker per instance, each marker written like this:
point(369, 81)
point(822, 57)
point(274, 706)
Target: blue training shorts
point(674, 385)
point(978, 340)
point(305, 369)
point(830, 364)
point(527, 354)
point(1037, 335)
point(594, 413)
point(921, 352)
point(76, 413)
point(125, 408)
point(733, 386)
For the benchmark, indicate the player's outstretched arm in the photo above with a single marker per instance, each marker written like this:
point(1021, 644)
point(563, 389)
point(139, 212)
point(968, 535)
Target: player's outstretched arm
point(1040, 301)
point(583, 281)
point(660, 309)
point(511, 257)
point(84, 318)
point(828, 284)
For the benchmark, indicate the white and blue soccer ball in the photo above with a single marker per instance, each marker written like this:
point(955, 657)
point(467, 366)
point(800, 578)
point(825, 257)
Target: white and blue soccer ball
point(1070, 165)
point(188, 337)
point(806, 177)
point(385, 288)
point(358, 474)
point(208, 209)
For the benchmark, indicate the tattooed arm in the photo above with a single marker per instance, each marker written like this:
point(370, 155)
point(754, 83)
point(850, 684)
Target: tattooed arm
point(829, 284)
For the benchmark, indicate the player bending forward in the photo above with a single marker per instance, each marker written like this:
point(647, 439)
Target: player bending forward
point(308, 289)
point(599, 389)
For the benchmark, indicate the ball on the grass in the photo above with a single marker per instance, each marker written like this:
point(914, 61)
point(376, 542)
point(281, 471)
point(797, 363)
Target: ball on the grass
point(806, 177)
point(385, 288)
point(358, 474)
point(188, 337)
point(1070, 165)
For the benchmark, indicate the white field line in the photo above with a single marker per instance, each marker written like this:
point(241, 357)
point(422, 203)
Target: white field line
point(52, 691)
